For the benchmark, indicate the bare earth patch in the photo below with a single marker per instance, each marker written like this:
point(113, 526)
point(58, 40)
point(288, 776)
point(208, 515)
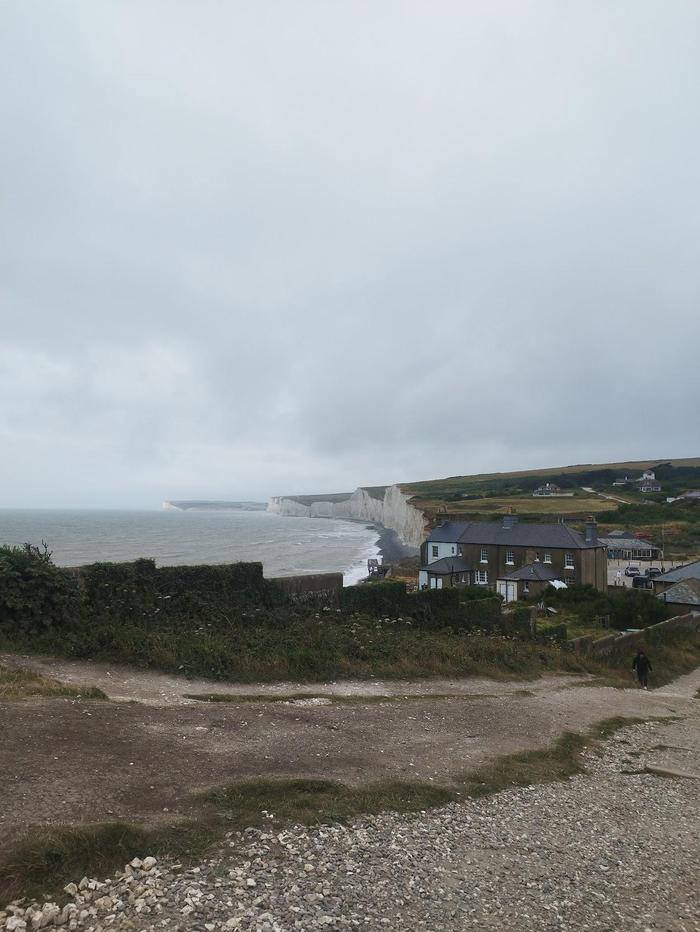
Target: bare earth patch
point(135, 761)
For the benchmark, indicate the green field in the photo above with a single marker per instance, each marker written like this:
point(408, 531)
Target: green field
point(531, 505)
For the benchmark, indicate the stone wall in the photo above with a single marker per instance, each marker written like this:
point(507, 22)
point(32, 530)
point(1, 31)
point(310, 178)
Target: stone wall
point(313, 587)
point(602, 646)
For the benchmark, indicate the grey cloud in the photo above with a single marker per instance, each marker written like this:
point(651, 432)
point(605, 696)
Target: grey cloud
point(261, 247)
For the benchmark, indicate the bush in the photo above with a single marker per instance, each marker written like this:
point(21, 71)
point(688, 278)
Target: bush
point(635, 609)
point(34, 594)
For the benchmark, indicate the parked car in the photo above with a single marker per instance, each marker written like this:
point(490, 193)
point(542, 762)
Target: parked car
point(641, 582)
point(653, 571)
point(632, 571)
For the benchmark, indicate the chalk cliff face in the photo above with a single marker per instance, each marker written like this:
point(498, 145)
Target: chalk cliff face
point(393, 511)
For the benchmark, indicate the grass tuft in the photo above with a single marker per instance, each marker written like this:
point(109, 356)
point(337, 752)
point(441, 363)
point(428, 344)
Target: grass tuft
point(23, 684)
point(559, 761)
point(309, 801)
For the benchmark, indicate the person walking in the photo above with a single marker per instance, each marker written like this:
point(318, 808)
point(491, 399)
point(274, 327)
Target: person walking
point(642, 665)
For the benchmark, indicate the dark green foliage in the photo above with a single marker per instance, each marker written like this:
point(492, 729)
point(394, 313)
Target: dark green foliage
point(553, 632)
point(647, 513)
point(476, 593)
point(119, 591)
point(381, 599)
point(636, 609)
point(628, 608)
point(482, 613)
point(34, 594)
point(432, 608)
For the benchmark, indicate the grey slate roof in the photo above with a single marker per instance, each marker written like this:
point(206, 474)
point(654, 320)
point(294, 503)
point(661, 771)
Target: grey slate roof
point(540, 571)
point(690, 571)
point(686, 592)
point(520, 535)
point(627, 543)
point(447, 565)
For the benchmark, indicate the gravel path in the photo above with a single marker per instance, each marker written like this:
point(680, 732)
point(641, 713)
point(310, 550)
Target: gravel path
point(615, 848)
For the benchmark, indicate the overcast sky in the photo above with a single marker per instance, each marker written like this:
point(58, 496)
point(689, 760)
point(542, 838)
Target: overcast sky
point(249, 248)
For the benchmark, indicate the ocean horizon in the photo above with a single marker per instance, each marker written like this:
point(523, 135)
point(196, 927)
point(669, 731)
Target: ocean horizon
point(285, 546)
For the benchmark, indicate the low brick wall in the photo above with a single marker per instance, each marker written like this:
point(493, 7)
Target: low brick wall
point(602, 646)
point(313, 587)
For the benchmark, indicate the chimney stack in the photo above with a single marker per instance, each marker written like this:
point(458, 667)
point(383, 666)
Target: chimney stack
point(591, 535)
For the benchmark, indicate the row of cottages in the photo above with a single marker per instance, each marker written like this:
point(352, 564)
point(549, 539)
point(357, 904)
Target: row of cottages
point(515, 559)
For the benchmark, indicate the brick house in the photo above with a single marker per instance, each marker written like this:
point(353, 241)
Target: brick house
point(483, 552)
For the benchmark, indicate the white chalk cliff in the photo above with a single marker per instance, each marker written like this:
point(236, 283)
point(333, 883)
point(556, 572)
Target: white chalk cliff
point(393, 511)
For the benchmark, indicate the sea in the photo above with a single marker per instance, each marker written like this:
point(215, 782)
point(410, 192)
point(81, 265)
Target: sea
point(285, 546)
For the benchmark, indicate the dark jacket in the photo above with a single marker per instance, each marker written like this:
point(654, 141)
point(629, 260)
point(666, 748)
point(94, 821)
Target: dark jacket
point(641, 663)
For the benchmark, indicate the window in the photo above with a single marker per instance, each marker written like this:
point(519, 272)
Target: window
point(484, 555)
point(453, 549)
point(459, 552)
point(510, 557)
point(548, 558)
point(568, 561)
point(526, 588)
point(435, 550)
point(537, 558)
point(482, 577)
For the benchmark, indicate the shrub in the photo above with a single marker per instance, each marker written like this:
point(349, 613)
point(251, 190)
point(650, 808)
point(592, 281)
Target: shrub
point(34, 593)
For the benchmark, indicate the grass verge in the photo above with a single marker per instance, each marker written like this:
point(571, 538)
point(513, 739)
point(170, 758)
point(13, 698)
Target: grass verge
point(40, 865)
point(23, 684)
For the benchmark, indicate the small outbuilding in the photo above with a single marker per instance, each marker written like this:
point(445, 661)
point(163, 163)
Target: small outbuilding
point(445, 574)
point(527, 581)
point(684, 596)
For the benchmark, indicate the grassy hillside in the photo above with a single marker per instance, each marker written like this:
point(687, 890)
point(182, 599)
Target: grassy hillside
point(459, 483)
point(486, 495)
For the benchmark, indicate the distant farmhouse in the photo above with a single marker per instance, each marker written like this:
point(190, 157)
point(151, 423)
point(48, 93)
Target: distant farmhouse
point(648, 482)
point(550, 490)
point(516, 560)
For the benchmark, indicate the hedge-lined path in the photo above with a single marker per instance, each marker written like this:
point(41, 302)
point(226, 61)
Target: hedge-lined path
point(69, 760)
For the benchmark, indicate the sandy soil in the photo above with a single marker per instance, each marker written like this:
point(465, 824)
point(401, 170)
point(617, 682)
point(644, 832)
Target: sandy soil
point(145, 754)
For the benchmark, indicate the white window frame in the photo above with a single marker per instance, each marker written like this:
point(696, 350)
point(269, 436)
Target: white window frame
point(569, 561)
point(484, 555)
point(482, 578)
point(547, 557)
point(510, 558)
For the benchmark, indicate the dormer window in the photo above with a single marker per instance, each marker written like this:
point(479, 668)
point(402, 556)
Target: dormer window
point(434, 550)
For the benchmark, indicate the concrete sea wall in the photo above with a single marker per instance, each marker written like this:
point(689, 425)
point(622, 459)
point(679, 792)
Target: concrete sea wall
point(392, 510)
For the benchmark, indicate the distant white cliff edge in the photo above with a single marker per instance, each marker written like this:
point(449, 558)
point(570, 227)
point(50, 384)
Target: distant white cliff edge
point(387, 506)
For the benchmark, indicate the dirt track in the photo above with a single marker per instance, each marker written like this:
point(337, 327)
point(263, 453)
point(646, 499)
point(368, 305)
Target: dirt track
point(144, 755)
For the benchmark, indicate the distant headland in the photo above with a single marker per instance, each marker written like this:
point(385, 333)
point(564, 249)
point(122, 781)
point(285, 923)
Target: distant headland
point(213, 506)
